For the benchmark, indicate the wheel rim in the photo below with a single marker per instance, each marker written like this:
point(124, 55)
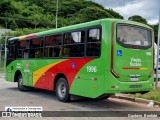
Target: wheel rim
point(62, 90)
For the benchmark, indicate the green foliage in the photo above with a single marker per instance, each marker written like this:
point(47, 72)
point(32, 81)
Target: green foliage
point(28, 16)
point(41, 13)
point(152, 95)
point(114, 14)
point(155, 28)
point(13, 25)
point(25, 31)
point(138, 18)
point(91, 13)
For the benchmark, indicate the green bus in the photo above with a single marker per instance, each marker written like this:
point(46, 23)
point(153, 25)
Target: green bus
point(94, 59)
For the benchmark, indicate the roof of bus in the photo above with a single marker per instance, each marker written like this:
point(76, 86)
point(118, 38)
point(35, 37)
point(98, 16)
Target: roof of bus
point(77, 26)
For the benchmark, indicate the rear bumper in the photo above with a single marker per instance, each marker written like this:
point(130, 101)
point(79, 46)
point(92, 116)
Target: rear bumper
point(117, 86)
point(128, 87)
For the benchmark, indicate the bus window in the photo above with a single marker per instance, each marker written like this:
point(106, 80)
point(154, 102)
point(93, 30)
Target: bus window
point(52, 52)
point(74, 44)
point(53, 40)
point(93, 42)
point(53, 46)
point(36, 48)
point(11, 53)
point(22, 49)
point(130, 36)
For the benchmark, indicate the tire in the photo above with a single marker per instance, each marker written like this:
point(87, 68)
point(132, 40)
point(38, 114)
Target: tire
point(62, 90)
point(21, 87)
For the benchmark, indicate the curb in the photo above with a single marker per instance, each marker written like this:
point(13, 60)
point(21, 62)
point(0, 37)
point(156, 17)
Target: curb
point(140, 100)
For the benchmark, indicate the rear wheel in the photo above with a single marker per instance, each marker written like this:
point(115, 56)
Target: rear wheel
point(62, 90)
point(21, 87)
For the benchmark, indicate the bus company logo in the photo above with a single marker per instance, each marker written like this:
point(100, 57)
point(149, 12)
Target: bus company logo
point(22, 111)
point(73, 65)
point(119, 52)
point(8, 109)
point(7, 113)
point(27, 65)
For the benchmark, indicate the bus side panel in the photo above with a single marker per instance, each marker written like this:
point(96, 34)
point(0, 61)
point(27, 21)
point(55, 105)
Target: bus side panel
point(11, 70)
point(88, 80)
point(85, 85)
point(27, 78)
point(9, 73)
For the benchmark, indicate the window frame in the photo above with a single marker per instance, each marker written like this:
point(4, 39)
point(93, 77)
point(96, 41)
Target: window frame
point(43, 46)
point(134, 46)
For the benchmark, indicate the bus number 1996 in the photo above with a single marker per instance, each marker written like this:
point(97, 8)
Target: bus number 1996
point(91, 68)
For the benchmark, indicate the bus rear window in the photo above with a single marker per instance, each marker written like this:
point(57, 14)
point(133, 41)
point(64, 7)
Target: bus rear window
point(131, 36)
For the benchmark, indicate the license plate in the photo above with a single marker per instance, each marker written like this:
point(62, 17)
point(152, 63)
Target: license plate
point(134, 79)
point(135, 86)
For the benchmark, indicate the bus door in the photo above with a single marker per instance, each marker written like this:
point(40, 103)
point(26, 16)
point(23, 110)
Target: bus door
point(27, 73)
point(10, 57)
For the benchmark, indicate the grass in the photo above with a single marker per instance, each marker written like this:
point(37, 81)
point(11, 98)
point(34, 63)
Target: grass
point(152, 95)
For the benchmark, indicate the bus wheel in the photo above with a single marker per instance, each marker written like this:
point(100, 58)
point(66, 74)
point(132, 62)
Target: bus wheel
point(62, 90)
point(21, 87)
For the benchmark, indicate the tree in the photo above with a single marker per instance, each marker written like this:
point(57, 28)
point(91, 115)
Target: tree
point(138, 18)
point(114, 14)
point(91, 13)
point(155, 28)
point(41, 13)
point(13, 25)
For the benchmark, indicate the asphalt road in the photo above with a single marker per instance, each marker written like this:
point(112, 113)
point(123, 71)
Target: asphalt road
point(11, 96)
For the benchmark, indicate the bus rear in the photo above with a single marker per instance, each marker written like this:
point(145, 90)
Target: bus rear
point(131, 58)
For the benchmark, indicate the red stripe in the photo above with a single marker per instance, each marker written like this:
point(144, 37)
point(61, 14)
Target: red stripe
point(65, 67)
point(31, 36)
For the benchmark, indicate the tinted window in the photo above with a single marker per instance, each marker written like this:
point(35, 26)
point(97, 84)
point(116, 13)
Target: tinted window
point(36, 48)
point(73, 50)
point(53, 46)
point(93, 43)
point(11, 52)
point(23, 49)
point(52, 52)
point(74, 43)
point(53, 40)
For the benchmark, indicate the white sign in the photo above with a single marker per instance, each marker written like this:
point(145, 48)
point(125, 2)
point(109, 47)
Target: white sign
point(135, 62)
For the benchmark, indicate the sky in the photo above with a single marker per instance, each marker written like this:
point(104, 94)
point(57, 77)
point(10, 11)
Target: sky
point(148, 9)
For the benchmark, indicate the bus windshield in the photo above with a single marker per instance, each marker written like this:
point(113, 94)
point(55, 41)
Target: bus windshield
point(129, 36)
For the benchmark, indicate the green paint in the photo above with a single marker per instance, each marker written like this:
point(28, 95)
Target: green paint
point(85, 85)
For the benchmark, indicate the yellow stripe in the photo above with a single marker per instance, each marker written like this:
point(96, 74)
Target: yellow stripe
point(143, 68)
point(38, 73)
